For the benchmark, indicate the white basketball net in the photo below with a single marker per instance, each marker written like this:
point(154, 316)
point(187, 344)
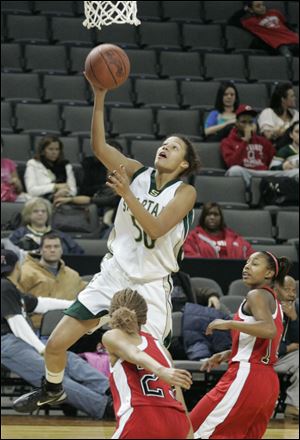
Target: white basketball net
point(105, 13)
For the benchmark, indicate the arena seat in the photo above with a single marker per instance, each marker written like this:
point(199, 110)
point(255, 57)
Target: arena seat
point(65, 8)
point(62, 89)
point(254, 225)
point(143, 63)
point(199, 282)
point(232, 302)
point(179, 121)
point(203, 37)
point(125, 36)
point(38, 118)
point(16, 7)
point(160, 36)
point(288, 225)
point(69, 31)
point(268, 69)
point(132, 123)
point(46, 59)
point(157, 93)
point(7, 118)
point(77, 56)
point(77, 119)
point(210, 157)
point(180, 65)
point(192, 90)
point(229, 67)
point(11, 57)
point(229, 192)
point(150, 11)
point(27, 29)
point(187, 11)
point(122, 96)
point(220, 11)
point(17, 146)
point(21, 87)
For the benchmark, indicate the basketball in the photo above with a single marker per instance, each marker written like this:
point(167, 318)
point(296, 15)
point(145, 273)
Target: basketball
point(107, 66)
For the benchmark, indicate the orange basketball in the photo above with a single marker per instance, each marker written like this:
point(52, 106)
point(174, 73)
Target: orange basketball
point(107, 66)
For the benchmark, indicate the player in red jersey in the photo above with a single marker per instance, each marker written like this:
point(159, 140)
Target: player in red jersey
point(142, 378)
point(242, 402)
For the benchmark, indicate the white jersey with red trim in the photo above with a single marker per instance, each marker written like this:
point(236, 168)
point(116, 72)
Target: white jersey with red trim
point(251, 349)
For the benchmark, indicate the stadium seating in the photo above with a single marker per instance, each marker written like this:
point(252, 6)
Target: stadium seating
point(21, 87)
point(227, 191)
point(232, 302)
point(199, 282)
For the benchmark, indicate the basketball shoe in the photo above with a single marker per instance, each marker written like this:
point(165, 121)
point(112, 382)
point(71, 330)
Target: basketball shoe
point(48, 394)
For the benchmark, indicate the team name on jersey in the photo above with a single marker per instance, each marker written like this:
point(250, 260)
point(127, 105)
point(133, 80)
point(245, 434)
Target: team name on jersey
point(149, 205)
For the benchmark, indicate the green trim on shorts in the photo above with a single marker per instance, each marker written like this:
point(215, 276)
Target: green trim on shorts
point(167, 340)
point(79, 311)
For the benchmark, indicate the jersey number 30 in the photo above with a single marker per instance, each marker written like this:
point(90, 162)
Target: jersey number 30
point(149, 243)
point(146, 382)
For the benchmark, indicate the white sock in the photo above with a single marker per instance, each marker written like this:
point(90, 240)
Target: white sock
point(54, 377)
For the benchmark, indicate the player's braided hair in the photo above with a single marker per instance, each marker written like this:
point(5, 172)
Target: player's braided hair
point(128, 310)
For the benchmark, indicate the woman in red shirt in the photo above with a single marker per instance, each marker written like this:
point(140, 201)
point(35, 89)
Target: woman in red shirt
point(213, 239)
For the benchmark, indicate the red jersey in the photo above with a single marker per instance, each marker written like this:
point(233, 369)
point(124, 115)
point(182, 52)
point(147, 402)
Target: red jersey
point(132, 386)
point(247, 348)
point(271, 28)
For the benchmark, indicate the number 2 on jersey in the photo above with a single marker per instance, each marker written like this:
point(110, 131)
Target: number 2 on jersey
point(145, 383)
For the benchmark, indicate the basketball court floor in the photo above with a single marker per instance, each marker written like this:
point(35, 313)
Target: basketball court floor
point(45, 427)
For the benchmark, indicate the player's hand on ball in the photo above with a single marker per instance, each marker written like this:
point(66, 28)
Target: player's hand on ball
point(218, 324)
point(95, 89)
point(175, 377)
point(119, 181)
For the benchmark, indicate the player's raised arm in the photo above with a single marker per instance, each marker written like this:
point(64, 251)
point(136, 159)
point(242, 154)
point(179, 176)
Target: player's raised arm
point(108, 155)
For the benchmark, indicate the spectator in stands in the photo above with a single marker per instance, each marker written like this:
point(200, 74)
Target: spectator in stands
point(270, 28)
point(213, 239)
point(288, 361)
point(11, 185)
point(47, 275)
point(95, 190)
point(287, 158)
point(48, 174)
point(36, 216)
point(22, 351)
point(275, 120)
point(245, 153)
point(220, 121)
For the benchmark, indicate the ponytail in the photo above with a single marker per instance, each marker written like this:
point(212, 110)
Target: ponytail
point(281, 266)
point(284, 265)
point(128, 311)
point(125, 320)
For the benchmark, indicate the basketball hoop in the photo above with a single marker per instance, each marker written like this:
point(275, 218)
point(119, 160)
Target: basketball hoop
point(105, 13)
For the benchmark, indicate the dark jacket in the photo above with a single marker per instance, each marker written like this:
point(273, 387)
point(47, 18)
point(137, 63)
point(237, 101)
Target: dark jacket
point(24, 239)
point(290, 332)
point(195, 321)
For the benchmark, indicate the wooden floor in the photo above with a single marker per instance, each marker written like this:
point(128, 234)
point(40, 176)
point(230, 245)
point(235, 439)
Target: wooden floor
point(41, 427)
